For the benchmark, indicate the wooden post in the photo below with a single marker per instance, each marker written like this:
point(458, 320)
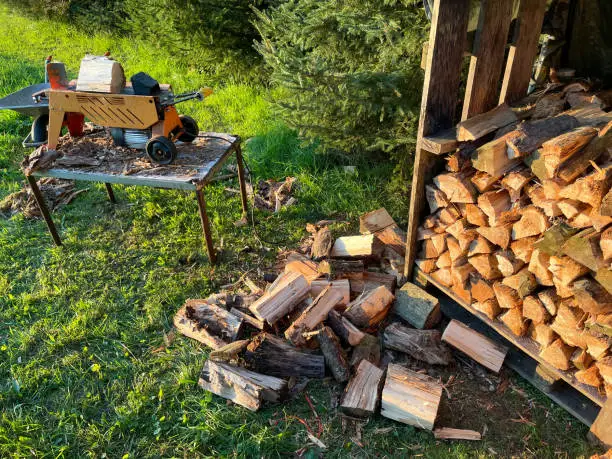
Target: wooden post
point(447, 40)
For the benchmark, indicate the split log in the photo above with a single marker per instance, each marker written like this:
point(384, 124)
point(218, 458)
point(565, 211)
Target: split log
point(486, 265)
point(507, 263)
point(481, 289)
point(435, 198)
point(515, 180)
point(531, 135)
point(439, 242)
point(459, 247)
point(100, 74)
point(533, 222)
point(443, 276)
point(604, 278)
point(554, 237)
point(591, 188)
point(498, 235)
point(558, 354)
point(576, 165)
point(475, 216)
point(393, 237)
point(538, 199)
point(247, 319)
point(410, 398)
point(571, 208)
point(483, 350)
point(606, 205)
point(483, 181)
point(568, 324)
point(457, 228)
point(344, 328)
point(456, 187)
point(605, 369)
point(494, 204)
point(334, 355)
point(367, 349)
point(493, 159)
point(444, 260)
point(581, 359)
point(597, 346)
point(480, 125)
point(448, 433)
point(341, 285)
point(426, 265)
point(368, 280)
point(552, 188)
point(207, 323)
point(417, 307)
point(523, 282)
point(513, 319)
point(364, 246)
point(543, 335)
point(289, 290)
point(424, 345)
point(605, 244)
point(523, 248)
point(592, 297)
point(584, 248)
point(566, 270)
point(243, 387)
point(589, 376)
point(550, 300)
point(370, 308)
point(559, 149)
point(322, 244)
point(462, 291)
point(376, 220)
point(273, 356)
point(599, 222)
point(449, 215)
point(314, 315)
point(303, 266)
point(229, 352)
point(362, 394)
point(548, 106)
point(534, 310)
point(507, 297)
point(336, 268)
point(489, 308)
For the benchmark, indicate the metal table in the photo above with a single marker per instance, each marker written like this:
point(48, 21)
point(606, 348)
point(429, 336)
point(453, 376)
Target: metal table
point(194, 168)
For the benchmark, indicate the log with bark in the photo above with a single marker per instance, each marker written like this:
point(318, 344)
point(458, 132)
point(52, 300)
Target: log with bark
point(288, 291)
point(362, 394)
point(335, 357)
point(363, 246)
point(348, 332)
point(424, 345)
point(370, 308)
point(417, 307)
point(207, 323)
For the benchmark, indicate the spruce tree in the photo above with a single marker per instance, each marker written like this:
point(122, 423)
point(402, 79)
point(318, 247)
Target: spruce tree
point(349, 70)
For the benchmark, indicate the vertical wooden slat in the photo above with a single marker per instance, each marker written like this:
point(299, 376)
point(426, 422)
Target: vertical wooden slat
point(447, 40)
point(481, 92)
point(523, 52)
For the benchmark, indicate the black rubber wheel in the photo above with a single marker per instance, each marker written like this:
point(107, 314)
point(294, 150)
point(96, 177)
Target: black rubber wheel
point(161, 150)
point(190, 127)
point(118, 137)
point(40, 128)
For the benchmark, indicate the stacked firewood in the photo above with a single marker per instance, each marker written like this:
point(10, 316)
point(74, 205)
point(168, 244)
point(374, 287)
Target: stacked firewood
point(520, 225)
point(331, 311)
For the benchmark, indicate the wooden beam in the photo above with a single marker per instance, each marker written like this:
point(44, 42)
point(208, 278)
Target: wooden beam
point(523, 52)
point(447, 38)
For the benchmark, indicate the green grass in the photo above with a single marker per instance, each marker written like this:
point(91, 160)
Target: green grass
point(88, 364)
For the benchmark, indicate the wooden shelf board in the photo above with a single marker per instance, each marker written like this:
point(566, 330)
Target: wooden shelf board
point(525, 344)
point(440, 143)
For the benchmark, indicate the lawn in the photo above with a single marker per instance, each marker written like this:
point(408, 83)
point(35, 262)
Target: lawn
point(89, 365)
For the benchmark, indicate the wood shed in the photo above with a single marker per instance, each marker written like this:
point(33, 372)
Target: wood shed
point(503, 229)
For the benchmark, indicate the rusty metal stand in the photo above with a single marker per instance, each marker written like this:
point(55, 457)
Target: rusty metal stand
point(109, 191)
point(206, 226)
point(44, 210)
point(243, 192)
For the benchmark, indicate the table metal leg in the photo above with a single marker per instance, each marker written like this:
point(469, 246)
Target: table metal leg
point(44, 210)
point(243, 192)
point(206, 226)
point(111, 195)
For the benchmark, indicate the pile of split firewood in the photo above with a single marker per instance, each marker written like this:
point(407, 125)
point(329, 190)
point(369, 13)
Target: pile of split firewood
point(332, 311)
point(520, 225)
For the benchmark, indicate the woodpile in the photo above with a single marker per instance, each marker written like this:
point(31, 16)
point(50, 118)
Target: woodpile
point(336, 310)
point(520, 228)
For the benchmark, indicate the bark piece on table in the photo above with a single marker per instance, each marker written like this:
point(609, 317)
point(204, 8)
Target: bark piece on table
point(533, 222)
point(362, 394)
point(313, 315)
point(558, 354)
point(207, 323)
point(243, 387)
point(417, 307)
point(335, 357)
point(367, 349)
point(424, 345)
point(287, 292)
point(483, 350)
point(480, 125)
point(342, 327)
point(410, 397)
point(361, 246)
point(273, 356)
point(370, 308)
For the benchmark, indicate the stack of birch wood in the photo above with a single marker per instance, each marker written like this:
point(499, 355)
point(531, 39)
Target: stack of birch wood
point(520, 225)
point(331, 311)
